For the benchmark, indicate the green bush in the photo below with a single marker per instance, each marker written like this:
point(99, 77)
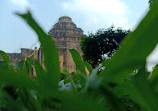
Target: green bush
point(122, 85)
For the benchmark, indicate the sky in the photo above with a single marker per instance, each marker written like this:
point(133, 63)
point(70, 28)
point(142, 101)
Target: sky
point(90, 15)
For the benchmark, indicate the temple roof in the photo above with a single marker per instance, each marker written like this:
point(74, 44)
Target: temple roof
point(65, 28)
point(65, 19)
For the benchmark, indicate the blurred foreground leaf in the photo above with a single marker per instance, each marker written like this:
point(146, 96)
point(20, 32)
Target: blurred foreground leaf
point(134, 50)
point(51, 58)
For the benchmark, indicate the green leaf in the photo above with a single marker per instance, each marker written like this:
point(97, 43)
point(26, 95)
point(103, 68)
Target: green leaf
point(78, 62)
point(89, 67)
point(154, 73)
point(39, 71)
point(19, 65)
point(140, 90)
point(51, 58)
point(7, 99)
point(44, 87)
point(73, 102)
point(26, 66)
point(3, 64)
point(134, 50)
point(29, 100)
point(80, 68)
point(15, 78)
point(5, 57)
point(29, 65)
point(153, 78)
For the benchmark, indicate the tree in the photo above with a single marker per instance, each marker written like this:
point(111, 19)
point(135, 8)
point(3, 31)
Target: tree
point(150, 2)
point(101, 45)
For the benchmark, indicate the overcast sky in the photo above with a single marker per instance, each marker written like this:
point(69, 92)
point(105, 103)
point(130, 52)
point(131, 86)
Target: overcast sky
point(90, 15)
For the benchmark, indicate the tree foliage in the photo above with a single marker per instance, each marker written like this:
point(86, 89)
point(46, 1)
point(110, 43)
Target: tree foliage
point(96, 47)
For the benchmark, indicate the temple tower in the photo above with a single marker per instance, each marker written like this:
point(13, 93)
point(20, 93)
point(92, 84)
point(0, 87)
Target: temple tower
point(67, 36)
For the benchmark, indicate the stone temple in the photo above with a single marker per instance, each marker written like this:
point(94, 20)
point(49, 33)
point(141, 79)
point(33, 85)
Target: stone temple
point(66, 36)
